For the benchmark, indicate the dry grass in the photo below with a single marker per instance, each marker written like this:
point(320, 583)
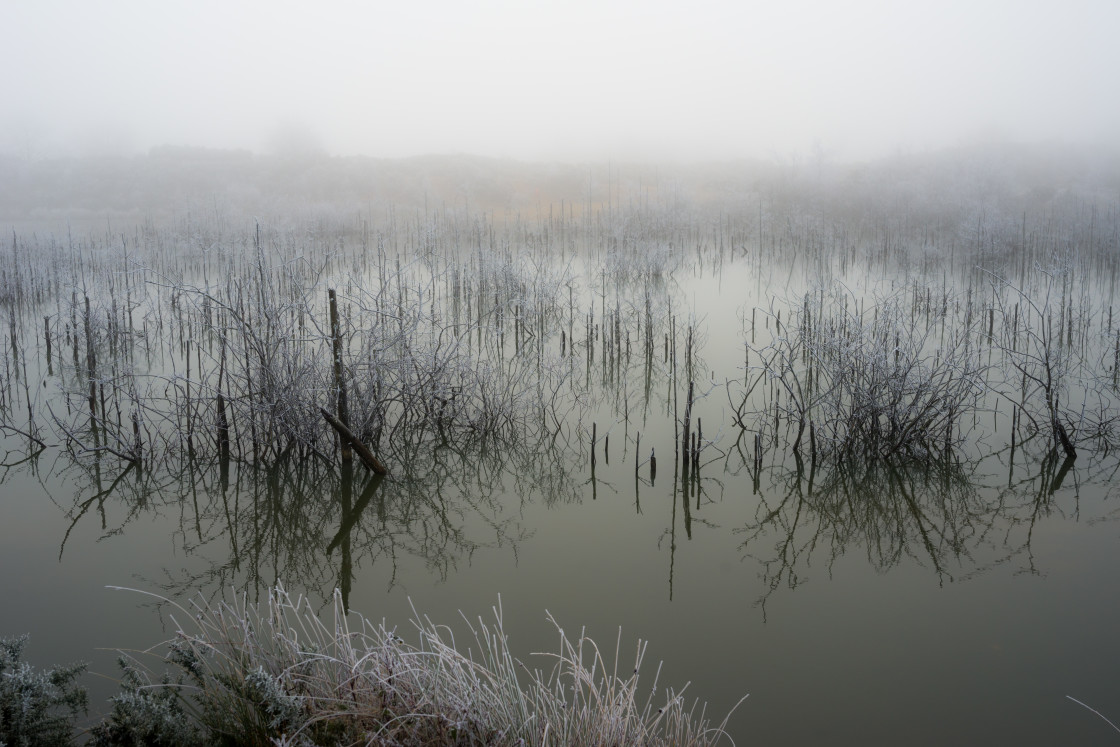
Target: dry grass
point(280, 673)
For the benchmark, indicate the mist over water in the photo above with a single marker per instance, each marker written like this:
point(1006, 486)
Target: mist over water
point(573, 81)
point(872, 507)
point(877, 241)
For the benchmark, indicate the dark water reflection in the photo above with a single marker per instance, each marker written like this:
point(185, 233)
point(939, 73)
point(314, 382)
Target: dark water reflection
point(938, 514)
point(323, 524)
point(315, 522)
point(790, 521)
point(739, 537)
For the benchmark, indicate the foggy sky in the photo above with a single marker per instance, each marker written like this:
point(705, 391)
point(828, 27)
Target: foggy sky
point(571, 80)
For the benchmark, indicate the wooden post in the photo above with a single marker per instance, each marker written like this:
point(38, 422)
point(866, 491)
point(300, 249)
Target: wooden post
point(339, 384)
point(47, 337)
point(91, 372)
point(222, 420)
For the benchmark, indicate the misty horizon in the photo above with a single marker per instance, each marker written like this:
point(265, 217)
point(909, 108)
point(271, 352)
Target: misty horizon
point(850, 270)
point(573, 81)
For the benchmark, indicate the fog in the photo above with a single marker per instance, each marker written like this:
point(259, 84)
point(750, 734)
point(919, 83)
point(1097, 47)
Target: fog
point(571, 80)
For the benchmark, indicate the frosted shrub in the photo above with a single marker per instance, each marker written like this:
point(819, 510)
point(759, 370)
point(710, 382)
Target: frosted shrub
point(281, 673)
point(146, 713)
point(37, 708)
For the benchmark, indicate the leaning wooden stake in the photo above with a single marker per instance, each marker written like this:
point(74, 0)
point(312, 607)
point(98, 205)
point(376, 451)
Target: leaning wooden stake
point(360, 449)
point(1064, 439)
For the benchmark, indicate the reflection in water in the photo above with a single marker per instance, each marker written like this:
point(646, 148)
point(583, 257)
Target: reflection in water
point(254, 527)
point(948, 515)
point(688, 489)
point(351, 515)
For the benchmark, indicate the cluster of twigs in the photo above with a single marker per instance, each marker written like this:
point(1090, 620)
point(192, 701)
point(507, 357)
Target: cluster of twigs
point(908, 375)
point(858, 382)
point(254, 369)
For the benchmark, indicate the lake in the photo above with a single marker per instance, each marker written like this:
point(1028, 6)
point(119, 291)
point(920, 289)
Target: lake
point(882, 536)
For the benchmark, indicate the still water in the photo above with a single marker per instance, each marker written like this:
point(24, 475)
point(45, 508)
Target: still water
point(914, 604)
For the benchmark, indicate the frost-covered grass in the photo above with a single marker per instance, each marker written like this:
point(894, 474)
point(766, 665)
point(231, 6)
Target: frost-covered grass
point(280, 673)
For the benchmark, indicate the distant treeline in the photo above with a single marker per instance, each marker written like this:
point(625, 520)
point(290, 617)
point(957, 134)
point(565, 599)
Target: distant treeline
point(169, 181)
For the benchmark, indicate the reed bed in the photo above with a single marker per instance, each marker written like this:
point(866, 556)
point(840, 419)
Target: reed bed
point(913, 373)
point(849, 380)
point(888, 317)
point(196, 338)
point(241, 371)
point(279, 673)
point(176, 355)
